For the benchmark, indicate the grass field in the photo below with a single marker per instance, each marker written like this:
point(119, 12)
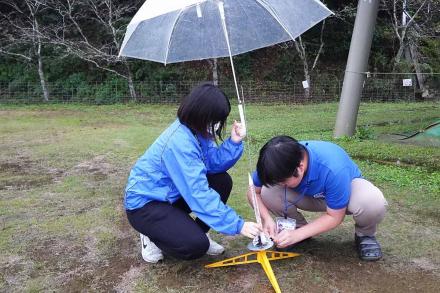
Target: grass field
point(63, 228)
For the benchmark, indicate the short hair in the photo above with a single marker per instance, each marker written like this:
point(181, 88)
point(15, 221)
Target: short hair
point(279, 159)
point(203, 108)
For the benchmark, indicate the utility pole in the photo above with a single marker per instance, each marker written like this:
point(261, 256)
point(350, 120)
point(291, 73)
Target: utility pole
point(357, 65)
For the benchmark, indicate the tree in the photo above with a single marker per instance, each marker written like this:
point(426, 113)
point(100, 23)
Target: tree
point(23, 34)
point(412, 21)
point(214, 69)
point(301, 49)
point(306, 55)
point(92, 30)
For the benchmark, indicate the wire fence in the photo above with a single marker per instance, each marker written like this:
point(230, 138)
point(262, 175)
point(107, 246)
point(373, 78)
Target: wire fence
point(325, 88)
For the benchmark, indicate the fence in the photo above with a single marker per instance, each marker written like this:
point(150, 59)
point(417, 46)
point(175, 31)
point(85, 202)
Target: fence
point(325, 88)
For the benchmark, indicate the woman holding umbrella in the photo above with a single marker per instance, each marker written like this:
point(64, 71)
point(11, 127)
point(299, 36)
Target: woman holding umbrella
point(184, 171)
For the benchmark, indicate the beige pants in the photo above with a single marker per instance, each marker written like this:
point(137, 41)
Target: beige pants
point(367, 205)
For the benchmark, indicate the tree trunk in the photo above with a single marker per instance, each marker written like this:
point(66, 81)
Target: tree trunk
point(132, 89)
point(41, 74)
point(307, 78)
point(399, 54)
point(307, 90)
point(419, 76)
point(407, 54)
point(300, 48)
point(215, 71)
point(130, 82)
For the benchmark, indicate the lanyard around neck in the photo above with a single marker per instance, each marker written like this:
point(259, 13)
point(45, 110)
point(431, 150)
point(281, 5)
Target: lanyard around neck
point(288, 204)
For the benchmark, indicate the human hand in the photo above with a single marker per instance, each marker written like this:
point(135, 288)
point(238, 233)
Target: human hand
point(287, 237)
point(238, 132)
point(251, 229)
point(269, 227)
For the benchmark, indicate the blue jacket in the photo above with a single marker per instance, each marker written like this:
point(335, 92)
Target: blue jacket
point(175, 166)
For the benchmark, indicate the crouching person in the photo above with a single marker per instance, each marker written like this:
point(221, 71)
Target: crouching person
point(183, 172)
point(316, 176)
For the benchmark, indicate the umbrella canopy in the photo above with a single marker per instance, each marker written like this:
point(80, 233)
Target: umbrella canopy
point(169, 31)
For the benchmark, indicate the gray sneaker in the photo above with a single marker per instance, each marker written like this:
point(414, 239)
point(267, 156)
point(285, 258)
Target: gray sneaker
point(214, 247)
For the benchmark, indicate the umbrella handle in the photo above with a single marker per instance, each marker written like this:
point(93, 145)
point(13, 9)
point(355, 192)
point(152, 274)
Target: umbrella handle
point(242, 119)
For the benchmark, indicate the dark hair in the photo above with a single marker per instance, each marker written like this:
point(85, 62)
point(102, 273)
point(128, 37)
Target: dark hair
point(204, 107)
point(279, 159)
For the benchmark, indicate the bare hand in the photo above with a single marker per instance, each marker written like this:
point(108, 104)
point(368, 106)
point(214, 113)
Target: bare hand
point(251, 229)
point(270, 227)
point(238, 132)
point(286, 238)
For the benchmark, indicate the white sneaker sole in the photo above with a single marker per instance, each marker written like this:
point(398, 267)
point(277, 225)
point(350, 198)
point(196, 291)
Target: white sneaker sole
point(215, 253)
point(152, 260)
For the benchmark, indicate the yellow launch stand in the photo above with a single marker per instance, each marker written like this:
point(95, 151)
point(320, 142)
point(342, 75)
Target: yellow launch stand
point(263, 257)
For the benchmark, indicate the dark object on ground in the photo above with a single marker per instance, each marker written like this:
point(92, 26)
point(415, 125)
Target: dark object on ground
point(368, 248)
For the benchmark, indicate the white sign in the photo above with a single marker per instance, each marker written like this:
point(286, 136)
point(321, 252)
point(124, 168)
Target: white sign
point(305, 84)
point(407, 82)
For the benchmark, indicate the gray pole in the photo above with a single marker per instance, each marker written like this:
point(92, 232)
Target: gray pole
point(357, 64)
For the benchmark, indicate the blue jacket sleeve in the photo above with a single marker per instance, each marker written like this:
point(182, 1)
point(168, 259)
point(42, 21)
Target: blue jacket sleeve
point(188, 173)
point(222, 158)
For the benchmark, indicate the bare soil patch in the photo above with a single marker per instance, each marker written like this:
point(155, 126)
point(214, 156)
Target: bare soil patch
point(25, 174)
point(98, 167)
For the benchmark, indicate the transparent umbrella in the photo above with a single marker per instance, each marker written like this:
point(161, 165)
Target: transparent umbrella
point(170, 31)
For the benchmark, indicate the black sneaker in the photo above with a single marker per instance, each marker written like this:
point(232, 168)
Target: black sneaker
point(368, 248)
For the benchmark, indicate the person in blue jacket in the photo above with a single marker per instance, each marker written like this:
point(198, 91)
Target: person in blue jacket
point(316, 176)
point(183, 172)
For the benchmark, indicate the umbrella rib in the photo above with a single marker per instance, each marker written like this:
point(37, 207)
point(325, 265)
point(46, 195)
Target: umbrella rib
point(171, 35)
point(275, 16)
point(245, 13)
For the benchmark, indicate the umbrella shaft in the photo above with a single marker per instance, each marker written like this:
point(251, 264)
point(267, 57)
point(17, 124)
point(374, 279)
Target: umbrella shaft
point(254, 199)
point(225, 31)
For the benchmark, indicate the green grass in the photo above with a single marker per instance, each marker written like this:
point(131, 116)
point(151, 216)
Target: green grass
point(63, 169)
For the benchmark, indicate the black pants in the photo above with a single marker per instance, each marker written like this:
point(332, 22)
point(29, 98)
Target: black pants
point(171, 227)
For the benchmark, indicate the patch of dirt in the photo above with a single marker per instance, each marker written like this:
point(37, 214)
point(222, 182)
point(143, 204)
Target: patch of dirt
point(15, 270)
point(101, 278)
point(73, 264)
point(61, 254)
point(105, 275)
point(128, 279)
point(427, 265)
point(98, 167)
point(432, 213)
point(105, 272)
point(25, 174)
